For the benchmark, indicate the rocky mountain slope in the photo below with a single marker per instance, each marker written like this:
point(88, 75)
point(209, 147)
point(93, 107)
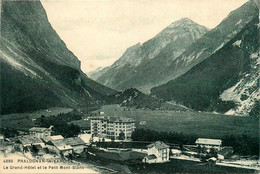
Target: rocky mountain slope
point(213, 40)
point(134, 98)
point(95, 74)
point(227, 71)
point(141, 64)
point(246, 92)
point(37, 69)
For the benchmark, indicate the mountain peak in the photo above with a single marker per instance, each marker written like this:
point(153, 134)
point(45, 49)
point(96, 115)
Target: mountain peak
point(182, 22)
point(139, 64)
point(183, 25)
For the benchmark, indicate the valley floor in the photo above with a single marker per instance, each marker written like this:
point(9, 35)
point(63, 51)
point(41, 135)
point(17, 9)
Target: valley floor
point(200, 124)
point(26, 120)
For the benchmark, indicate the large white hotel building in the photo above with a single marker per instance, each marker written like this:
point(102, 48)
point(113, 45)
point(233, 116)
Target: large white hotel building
point(106, 127)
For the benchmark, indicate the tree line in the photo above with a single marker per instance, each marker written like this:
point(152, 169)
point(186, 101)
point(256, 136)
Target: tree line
point(60, 124)
point(242, 144)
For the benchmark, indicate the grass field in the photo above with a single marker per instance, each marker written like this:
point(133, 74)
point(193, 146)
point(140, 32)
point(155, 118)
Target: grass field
point(199, 124)
point(23, 121)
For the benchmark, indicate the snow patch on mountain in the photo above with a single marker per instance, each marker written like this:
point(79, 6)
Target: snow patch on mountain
point(258, 25)
point(157, 49)
point(219, 47)
point(194, 56)
point(239, 22)
point(237, 43)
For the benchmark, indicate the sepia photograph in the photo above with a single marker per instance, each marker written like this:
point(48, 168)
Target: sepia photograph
point(129, 86)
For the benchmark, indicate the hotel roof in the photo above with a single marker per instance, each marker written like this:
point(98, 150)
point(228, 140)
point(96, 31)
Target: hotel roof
point(123, 119)
point(207, 141)
point(39, 129)
point(114, 119)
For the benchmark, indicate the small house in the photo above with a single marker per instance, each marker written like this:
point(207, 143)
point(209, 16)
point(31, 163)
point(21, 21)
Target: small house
point(176, 152)
point(2, 150)
point(8, 146)
point(158, 152)
point(225, 153)
point(212, 161)
point(24, 143)
point(2, 139)
point(57, 137)
point(209, 143)
point(142, 123)
point(86, 138)
point(76, 143)
point(59, 147)
point(54, 137)
point(150, 159)
point(38, 150)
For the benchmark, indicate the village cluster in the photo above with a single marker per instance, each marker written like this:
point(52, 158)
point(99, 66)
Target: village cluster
point(39, 143)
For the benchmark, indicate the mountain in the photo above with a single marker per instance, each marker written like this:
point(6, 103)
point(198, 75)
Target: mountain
point(37, 69)
point(246, 93)
point(228, 79)
point(212, 41)
point(140, 65)
point(134, 98)
point(95, 74)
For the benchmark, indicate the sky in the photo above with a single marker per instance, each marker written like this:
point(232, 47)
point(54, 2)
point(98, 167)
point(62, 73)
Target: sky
point(99, 31)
